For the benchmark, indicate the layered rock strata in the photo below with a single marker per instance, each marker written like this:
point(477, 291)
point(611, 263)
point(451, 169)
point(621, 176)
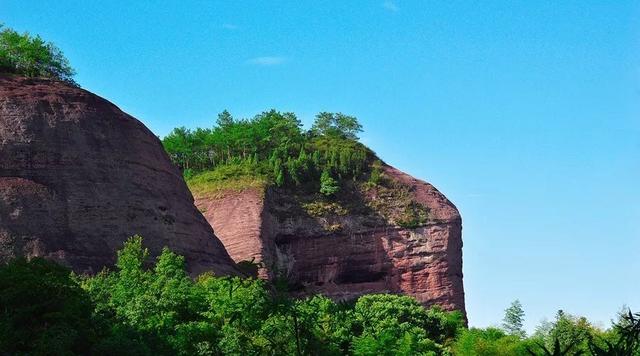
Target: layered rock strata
point(350, 253)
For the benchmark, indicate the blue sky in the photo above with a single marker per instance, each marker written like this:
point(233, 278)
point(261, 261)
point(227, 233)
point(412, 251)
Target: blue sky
point(525, 114)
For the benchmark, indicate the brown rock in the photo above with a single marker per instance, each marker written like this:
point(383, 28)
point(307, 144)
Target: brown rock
point(78, 177)
point(346, 256)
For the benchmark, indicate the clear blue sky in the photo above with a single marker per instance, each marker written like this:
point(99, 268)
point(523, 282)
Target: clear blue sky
point(525, 114)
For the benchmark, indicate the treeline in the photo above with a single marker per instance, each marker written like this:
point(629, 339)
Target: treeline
point(160, 310)
point(566, 335)
point(276, 142)
point(143, 308)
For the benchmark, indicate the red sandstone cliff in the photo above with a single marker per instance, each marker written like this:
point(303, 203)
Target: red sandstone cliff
point(78, 177)
point(347, 254)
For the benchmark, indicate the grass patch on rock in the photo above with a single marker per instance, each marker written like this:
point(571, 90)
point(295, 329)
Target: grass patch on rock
point(235, 177)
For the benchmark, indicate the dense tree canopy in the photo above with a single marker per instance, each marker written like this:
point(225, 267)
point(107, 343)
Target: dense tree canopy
point(31, 56)
point(159, 310)
point(42, 310)
point(143, 308)
point(277, 146)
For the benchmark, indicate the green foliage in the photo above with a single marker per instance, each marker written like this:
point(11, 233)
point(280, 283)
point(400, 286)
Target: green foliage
point(42, 310)
point(514, 319)
point(396, 203)
point(154, 308)
point(324, 208)
point(146, 307)
point(336, 125)
point(556, 350)
point(376, 175)
point(623, 340)
point(234, 140)
point(489, 342)
point(236, 176)
point(31, 56)
point(572, 334)
point(413, 216)
point(394, 324)
point(275, 144)
point(328, 185)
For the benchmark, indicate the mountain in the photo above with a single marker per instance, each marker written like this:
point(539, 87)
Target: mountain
point(78, 177)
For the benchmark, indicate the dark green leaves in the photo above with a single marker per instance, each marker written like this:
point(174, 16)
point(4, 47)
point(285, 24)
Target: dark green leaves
point(42, 310)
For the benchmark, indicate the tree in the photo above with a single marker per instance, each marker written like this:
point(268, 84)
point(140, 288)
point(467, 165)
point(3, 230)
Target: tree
point(625, 338)
point(572, 333)
point(336, 125)
point(556, 350)
point(328, 185)
point(43, 310)
point(31, 56)
point(224, 119)
point(399, 325)
point(513, 319)
point(490, 341)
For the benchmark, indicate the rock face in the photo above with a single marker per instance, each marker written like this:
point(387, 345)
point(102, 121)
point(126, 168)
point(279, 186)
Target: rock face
point(349, 254)
point(78, 177)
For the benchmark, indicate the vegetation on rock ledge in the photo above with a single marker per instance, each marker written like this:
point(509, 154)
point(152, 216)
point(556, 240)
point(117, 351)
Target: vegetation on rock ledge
point(321, 166)
point(275, 146)
point(31, 56)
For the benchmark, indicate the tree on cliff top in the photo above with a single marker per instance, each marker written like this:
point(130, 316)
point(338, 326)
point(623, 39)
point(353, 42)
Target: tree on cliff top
point(31, 56)
point(336, 124)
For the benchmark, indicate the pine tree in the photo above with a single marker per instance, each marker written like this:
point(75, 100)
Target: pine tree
point(328, 185)
point(513, 319)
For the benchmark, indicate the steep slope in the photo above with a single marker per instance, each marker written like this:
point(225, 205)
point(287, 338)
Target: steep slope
point(78, 177)
point(399, 236)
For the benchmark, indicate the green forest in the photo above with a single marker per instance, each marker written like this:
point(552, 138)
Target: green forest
point(145, 307)
point(273, 147)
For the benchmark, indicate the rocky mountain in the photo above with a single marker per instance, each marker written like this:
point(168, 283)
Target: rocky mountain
point(78, 177)
point(399, 236)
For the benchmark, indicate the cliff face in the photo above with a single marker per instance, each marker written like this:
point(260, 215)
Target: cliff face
point(360, 244)
point(78, 177)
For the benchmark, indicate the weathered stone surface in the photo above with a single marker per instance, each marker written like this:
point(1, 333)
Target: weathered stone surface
point(78, 177)
point(366, 255)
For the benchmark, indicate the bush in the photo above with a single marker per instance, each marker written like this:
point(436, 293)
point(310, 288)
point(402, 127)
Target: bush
point(43, 311)
point(489, 342)
point(31, 56)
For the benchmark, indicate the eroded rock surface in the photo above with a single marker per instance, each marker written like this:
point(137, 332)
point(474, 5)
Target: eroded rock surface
point(78, 177)
point(350, 252)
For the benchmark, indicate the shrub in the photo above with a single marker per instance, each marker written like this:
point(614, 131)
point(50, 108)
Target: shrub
point(328, 185)
point(489, 342)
